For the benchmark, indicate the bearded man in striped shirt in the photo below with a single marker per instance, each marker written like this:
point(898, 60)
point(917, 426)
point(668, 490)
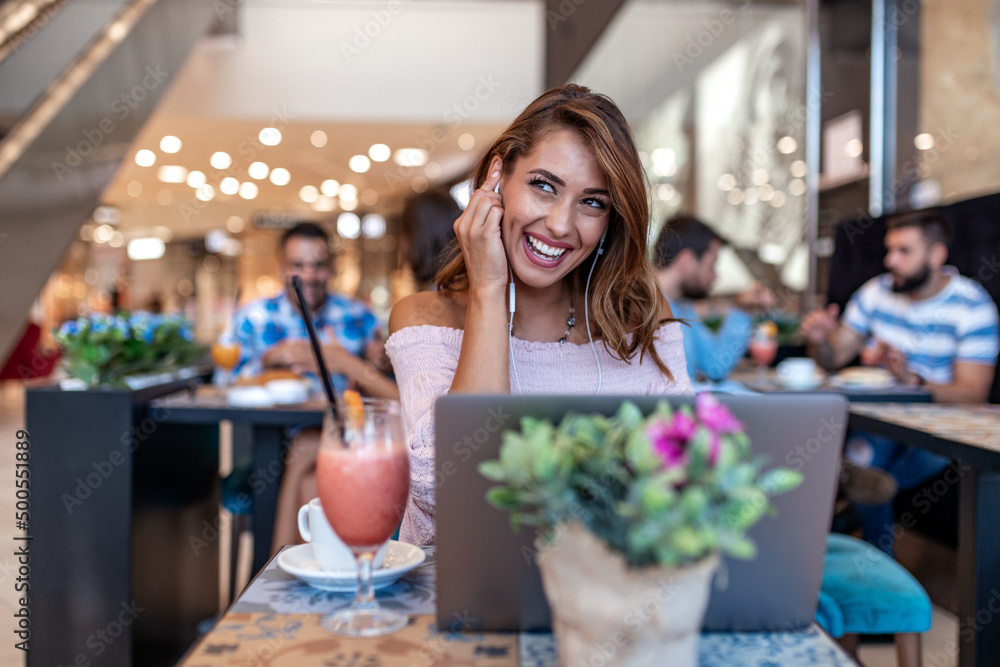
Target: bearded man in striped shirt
point(928, 326)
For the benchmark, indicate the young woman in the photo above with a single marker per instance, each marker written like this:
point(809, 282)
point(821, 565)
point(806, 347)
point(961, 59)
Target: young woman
point(559, 219)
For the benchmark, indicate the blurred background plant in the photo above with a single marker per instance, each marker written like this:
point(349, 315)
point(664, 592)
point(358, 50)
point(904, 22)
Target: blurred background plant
point(104, 350)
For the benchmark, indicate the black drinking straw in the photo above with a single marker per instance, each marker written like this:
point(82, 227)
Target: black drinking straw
point(317, 351)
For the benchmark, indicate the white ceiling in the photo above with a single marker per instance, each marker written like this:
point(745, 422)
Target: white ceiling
point(429, 73)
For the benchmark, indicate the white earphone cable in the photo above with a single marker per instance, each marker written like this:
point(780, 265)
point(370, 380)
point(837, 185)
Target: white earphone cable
point(510, 333)
point(586, 315)
point(586, 312)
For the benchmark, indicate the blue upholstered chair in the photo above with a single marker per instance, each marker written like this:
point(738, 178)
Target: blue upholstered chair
point(865, 592)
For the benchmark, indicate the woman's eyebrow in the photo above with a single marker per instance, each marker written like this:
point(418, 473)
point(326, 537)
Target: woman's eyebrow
point(558, 181)
point(549, 175)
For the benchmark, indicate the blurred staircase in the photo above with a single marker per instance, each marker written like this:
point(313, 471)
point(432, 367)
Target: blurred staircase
point(78, 79)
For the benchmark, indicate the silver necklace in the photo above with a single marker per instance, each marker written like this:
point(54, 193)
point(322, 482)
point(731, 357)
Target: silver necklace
point(570, 323)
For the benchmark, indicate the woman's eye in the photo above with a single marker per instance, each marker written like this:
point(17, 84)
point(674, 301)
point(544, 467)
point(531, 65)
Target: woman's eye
point(544, 186)
point(596, 203)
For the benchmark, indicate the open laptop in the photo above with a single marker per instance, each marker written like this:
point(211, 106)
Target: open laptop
point(487, 579)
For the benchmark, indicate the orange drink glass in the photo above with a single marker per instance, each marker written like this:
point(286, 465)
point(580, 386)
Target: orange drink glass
point(763, 347)
point(226, 357)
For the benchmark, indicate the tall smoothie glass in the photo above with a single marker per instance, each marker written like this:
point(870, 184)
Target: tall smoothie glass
point(364, 480)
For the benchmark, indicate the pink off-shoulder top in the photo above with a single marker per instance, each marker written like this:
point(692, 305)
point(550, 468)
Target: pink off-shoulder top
point(425, 358)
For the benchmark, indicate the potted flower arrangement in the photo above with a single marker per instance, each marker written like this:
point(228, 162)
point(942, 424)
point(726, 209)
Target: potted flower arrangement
point(632, 513)
point(108, 350)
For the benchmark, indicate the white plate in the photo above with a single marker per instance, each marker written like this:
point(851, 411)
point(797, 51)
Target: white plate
point(299, 562)
point(838, 381)
point(249, 397)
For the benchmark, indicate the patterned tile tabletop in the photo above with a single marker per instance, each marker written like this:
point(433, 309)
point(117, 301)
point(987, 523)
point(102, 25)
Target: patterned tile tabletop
point(276, 623)
point(974, 425)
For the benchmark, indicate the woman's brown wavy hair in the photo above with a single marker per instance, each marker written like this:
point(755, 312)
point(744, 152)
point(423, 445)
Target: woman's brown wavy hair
point(624, 298)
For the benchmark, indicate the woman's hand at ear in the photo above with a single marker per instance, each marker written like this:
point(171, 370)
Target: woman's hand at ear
point(482, 363)
point(478, 232)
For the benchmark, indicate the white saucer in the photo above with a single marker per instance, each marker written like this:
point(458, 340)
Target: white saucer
point(299, 562)
point(812, 383)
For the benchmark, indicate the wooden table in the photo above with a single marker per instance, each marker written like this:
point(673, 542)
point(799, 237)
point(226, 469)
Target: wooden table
point(276, 622)
point(259, 437)
point(970, 434)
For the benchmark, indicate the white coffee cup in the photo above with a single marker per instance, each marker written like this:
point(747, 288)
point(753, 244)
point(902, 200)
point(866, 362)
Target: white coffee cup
point(797, 372)
point(329, 550)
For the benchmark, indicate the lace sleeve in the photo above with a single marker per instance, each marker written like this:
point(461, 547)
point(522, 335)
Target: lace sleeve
point(424, 359)
point(669, 345)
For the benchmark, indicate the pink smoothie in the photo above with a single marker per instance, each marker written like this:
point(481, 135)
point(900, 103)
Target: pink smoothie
point(363, 493)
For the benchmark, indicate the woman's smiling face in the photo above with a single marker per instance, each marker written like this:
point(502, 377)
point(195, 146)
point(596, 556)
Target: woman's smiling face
point(556, 207)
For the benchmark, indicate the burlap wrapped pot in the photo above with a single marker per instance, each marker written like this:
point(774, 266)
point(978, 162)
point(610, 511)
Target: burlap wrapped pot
point(605, 613)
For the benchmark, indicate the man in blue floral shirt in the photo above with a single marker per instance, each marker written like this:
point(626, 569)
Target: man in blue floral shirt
point(272, 333)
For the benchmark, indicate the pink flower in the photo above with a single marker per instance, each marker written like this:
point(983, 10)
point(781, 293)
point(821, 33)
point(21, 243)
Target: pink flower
point(713, 450)
point(714, 415)
point(670, 438)
point(718, 419)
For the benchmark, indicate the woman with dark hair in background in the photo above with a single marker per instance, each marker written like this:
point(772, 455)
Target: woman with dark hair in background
point(426, 231)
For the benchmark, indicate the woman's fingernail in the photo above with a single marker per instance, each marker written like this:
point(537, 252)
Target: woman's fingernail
point(495, 174)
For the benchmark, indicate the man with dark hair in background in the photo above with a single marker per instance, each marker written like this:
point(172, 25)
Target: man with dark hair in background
point(272, 334)
point(684, 265)
point(928, 326)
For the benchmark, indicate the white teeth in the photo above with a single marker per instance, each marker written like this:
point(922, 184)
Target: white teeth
point(544, 250)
